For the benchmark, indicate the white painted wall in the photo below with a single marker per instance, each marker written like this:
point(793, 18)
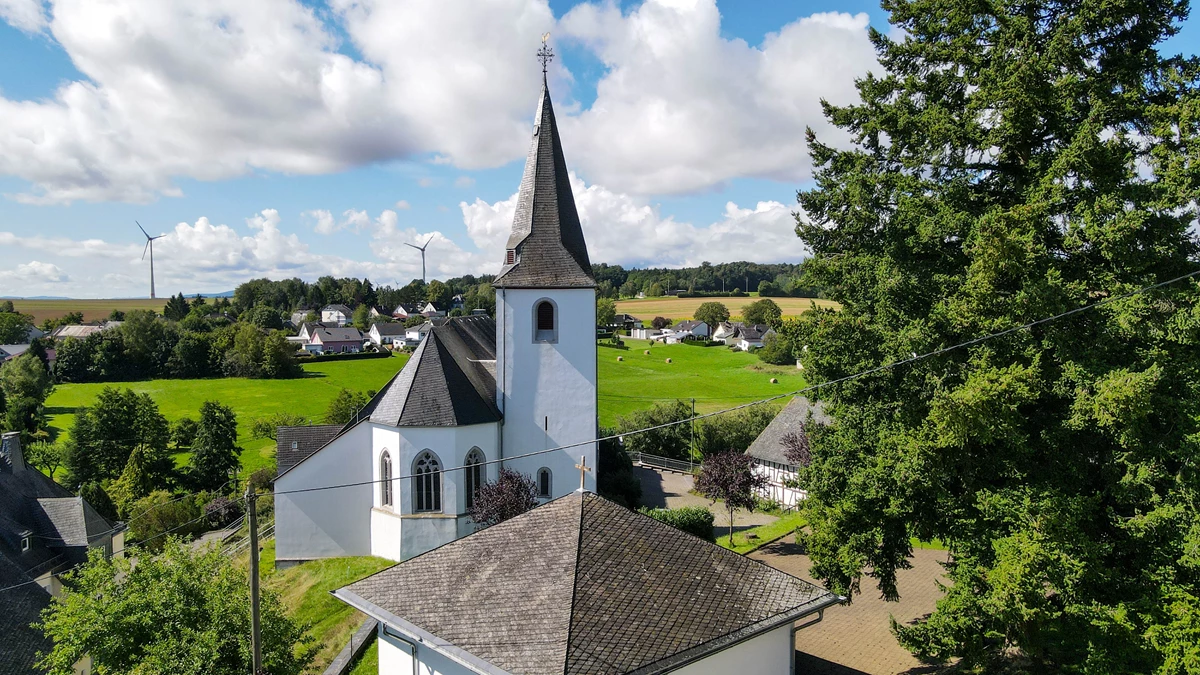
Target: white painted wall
point(776, 488)
point(326, 523)
point(418, 533)
point(768, 654)
point(548, 390)
point(396, 658)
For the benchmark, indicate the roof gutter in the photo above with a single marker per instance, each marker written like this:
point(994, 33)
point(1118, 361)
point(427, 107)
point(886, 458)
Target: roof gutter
point(420, 636)
point(703, 651)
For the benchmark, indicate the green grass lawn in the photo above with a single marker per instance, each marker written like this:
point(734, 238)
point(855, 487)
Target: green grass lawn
point(305, 589)
point(250, 399)
point(368, 663)
point(762, 535)
point(717, 377)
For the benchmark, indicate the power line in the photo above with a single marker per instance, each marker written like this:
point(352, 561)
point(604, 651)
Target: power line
point(847, 378)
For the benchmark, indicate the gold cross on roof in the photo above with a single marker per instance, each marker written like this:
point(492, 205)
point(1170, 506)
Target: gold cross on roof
point(583, 469)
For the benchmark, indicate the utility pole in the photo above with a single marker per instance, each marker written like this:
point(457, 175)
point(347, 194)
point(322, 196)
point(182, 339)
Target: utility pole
point(255, 628)
point(692, 454)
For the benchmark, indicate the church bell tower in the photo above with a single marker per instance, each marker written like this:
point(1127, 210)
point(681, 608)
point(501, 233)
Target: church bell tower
point(546, 322)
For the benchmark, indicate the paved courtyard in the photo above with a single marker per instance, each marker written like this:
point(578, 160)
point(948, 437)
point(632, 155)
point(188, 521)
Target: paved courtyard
point(670, 490)
point(856, 638)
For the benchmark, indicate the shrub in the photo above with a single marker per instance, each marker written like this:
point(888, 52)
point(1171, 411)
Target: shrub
point(222, 511)
point(695, 520)
point(660, 322)
point(158, 513)
point(263, 479)
point(615, 479)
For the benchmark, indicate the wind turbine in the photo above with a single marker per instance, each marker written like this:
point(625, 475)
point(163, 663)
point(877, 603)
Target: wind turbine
point(422, 250)
point(150, 248)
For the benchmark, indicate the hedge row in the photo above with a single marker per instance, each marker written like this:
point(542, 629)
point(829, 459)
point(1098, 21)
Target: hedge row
point(695, 520)
point(344, 357)
point(703, 343)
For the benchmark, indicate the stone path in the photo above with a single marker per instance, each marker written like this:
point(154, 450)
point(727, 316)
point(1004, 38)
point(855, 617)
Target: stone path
point(856, 639)
point(670, 490)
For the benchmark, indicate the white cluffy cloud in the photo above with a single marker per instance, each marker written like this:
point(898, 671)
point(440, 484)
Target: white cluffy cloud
point(175, 88)
point(620, 228)
point(35, 272)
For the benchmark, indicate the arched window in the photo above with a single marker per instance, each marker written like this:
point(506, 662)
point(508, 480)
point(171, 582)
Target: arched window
point(543, 482)
point(427, 483)
point(474, 472)
point(385, 479)
point(545, 327)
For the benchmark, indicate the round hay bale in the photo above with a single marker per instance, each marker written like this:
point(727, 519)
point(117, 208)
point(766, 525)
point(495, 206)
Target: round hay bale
point(774, 380)
point(620, 358)
point(668, 360)
point(647, 352)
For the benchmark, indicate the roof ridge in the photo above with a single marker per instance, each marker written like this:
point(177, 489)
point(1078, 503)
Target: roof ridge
point(574, 583)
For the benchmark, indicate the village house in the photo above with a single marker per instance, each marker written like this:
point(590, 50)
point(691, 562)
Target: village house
point(643, 333)
point(584, 585)
point(691, 329)
point(331, 340)
point(768, 452)
point(387, 333)
point(750, 336)
point(44, 531)
point(624, 322)
point(414, 334)
point(338, 315)
point(79, 332)
point(434, 434)
point(9, 352)
point(458, 302)
point(403, 311)
point(430, 311)
point(725, 331)
point(298, 317)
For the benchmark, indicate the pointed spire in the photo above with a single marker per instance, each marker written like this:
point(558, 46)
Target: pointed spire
point(546, 248)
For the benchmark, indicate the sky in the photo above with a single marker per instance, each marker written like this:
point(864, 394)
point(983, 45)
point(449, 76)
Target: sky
point(299, 138)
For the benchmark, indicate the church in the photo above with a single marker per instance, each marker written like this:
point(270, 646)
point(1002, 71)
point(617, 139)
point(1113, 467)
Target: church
point(478, 394)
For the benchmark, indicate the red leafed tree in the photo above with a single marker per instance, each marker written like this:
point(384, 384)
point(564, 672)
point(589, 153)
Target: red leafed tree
point(796, 448)
point(510, 495)
point(727, 476)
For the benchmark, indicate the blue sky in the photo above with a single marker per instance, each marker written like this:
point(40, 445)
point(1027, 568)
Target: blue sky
point(350, 128)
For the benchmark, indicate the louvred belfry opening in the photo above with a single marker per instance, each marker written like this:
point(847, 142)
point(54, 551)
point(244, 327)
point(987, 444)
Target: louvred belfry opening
point(545, 316)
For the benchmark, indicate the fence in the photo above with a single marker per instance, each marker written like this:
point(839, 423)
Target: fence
point(665, 463)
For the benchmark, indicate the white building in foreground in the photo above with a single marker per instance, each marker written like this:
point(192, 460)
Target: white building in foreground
point(478, 394)
point(584, 585)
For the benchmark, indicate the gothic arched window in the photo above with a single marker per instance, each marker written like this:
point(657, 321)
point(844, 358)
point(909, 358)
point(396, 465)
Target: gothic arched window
point(385, 479)
point(545, 322)
point(474, 474)
point(427, 483)
point(543, 482)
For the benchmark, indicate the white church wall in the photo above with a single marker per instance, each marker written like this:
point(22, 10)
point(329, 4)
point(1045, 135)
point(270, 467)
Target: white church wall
point(326, 523)
point(768, 654)
point(410, 534)
point(548, 389)
point(396, 658)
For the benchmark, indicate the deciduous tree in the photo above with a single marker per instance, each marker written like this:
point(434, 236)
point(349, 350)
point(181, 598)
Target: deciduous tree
point(763, 311)
point(178, 612)
point(215, 451)
point(727, 477)
point(510, 495)
point(1011, 162)
point(712, 313)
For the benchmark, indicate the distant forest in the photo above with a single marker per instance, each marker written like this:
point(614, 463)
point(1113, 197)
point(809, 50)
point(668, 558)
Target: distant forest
point(612, 281)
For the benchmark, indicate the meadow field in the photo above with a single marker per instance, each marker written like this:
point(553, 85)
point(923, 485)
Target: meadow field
point(93, 310)
point(716, 377)
point(682, 308)
point(250, 399)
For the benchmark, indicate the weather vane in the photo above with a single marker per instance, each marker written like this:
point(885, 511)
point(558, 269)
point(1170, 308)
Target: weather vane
point(545, 54)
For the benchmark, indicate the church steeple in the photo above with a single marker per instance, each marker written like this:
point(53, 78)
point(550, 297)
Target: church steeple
point(546, 248)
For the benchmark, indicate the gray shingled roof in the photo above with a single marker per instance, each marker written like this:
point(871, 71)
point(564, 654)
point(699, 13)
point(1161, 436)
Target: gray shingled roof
point(19, 641)
point(390, 329)
point(769, 444)
point(449, 381)
point(583, 586)
point(308, 440)
point(551, 251)
point(335, 334)
point(70, 520)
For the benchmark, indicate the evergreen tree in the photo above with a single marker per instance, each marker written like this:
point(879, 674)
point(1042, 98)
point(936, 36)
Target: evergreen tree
point(215, 452)
point(1014, 161)
point(176, 308)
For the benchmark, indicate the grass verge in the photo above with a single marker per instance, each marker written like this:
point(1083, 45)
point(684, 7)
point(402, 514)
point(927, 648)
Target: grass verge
point(749, 540)
point(368, 663)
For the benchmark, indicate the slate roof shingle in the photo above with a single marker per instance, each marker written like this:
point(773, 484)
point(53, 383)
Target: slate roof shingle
point(583, 586)
point(449, 380)
point(308, 439)
point(20, 642)
point(546, 234)
point(334, 334)
point(769, 444)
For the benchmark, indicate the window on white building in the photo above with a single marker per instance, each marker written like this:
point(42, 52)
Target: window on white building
point(427, 483)
point(385, 479)
point(543, 482)
point(545, 328)
point(474, 474)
